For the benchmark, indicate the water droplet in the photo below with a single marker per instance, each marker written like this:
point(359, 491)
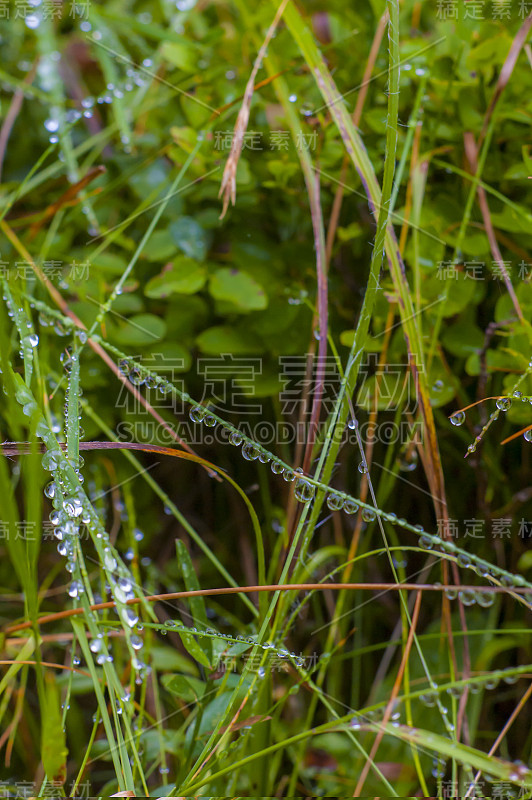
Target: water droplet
point(485, 599)
point(429, 699)
point(75, 589)
point(277, 468)
point(510, 679)
point(289, 475)
point(349, 506)
point(235, 438)
point(197, 414)
point(109, 560)
point(124, 584)
point(467, 597)
point(210, 421)
point(249, 451)
point(335, 501)
point(503, 403)
point(72, 506)
point(455, 691)
point(96, 645)
point(408, 461)
point(50, 489)
point(64, 548)
point(32, 21)
point(130, 617)
point(368, 515)
point(124, 366)
point(362, 468)
point(304, 491)
point(426, 542)
point(292, 98)
point(527, 435)
point(51, 460)
point(136, 377)
point(463, 560)
point(458, 418)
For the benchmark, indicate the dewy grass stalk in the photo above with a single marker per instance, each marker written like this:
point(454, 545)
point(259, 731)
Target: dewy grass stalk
point(177, 621)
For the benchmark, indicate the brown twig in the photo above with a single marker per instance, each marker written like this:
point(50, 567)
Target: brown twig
point(228, 186)
point(273, 587)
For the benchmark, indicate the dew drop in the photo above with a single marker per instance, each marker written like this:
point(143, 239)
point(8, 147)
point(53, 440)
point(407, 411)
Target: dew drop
point(109, 560)
point(503, 403)
point(124, 584)
point(458, 418)
point(136, 377)
point(304, 491)
point(335, 501)
point(408, 461)
point(467, 597)
point(428, 699)
point(349, 506)
point(129, 617)
point(124, 366)
point(485, 599)
point(368, 515)
point(527, 435)
point(75, 589)
point(510, 679)
point(197, 414)
point(72, 506)
point(249, 451)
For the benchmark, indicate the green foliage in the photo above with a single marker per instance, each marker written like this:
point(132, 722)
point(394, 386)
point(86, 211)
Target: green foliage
point(134, 314)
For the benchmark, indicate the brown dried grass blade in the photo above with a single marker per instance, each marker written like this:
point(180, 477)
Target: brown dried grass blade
point(228, 185)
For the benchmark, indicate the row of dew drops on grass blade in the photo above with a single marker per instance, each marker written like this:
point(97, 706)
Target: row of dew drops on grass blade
point(72, 508)
point(304, 486)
